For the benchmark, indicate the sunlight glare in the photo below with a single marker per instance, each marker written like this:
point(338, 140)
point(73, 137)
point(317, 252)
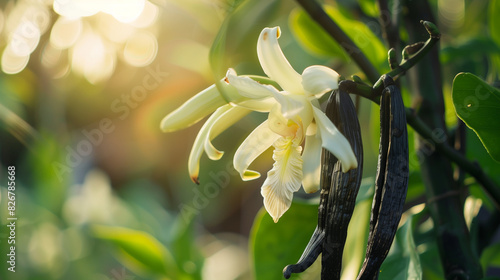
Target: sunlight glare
point(141, 49)
point(24, 39)
point(123, 10)
point(13, 63)
point(91, 58)
point(148, 16)
point(65, 32)
point(114, 30)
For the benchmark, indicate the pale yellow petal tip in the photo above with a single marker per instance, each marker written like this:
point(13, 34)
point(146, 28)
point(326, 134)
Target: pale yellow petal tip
point(275, 219)
point(312, 190)
point(216, 155)
point(195, 179)
point(165, 126)
point(269, 31)
point(249, 175)
point(350, 165)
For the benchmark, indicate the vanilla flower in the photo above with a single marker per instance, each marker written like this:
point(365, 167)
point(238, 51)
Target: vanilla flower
point(294, 117)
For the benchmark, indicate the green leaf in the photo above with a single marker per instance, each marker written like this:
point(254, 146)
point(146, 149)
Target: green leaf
point(317, 41)
point(357, 235)
point(138, 250)
point(312, 37)
point(185, 250)
point(477, 153)
point(474, 46)
point(494, 20)
point(237, 36)
point(490, 256)
point(365, 189)
point(494, 25)
point(275, 245)
point(403, 261)
point(369, 7)
point(478, 105)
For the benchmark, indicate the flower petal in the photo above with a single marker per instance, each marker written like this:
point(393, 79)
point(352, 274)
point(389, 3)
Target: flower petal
point(227, 119)
point(334, 141)
point(318, 80)
point(198, 147)
point(248, 87)
point(255, 144)
point(258, 105)
point(312, 163)
point(193, 110)
point(274, 62)
point(291, 105)
point(284, 178)
point(280, 125)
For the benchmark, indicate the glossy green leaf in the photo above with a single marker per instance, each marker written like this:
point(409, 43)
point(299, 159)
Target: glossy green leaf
point(403, 261)
point(275, 245)
point(478, 105)
point(138, 250)
point(317, 41)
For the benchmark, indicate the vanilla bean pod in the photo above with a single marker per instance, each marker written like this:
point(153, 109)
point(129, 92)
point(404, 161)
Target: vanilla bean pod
point(338, 194)
point(391, 182)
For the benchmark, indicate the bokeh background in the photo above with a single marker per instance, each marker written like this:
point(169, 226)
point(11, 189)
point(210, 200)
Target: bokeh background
point(83, 88)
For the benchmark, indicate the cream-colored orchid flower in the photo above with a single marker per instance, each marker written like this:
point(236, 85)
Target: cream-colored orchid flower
point(294, 117)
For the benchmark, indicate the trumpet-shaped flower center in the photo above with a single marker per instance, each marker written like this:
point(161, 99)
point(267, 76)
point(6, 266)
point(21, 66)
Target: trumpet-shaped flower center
point(282, 126)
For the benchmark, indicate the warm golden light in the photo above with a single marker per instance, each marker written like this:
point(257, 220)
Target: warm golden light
point(13, 63)
point(141, 49)
point(147, 17)
point(90, 57)
point(65, 32)
point(122, 10)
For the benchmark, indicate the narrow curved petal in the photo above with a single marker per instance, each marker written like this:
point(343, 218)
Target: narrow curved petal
point(291, 105)
point(312, 163)
point(248, 87)
point(334, 141)
point(317, 80)
point(254, 145)
point(284, 178)
point(258, 105)
point(274, 62)
point(193, 110)
point(198, 147)
point(227, 119)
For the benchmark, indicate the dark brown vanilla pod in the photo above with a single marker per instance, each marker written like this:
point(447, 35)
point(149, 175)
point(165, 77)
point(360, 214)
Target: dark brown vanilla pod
point(391, 182)
point(344, 187)
point(315, 245)
point(338, 194)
